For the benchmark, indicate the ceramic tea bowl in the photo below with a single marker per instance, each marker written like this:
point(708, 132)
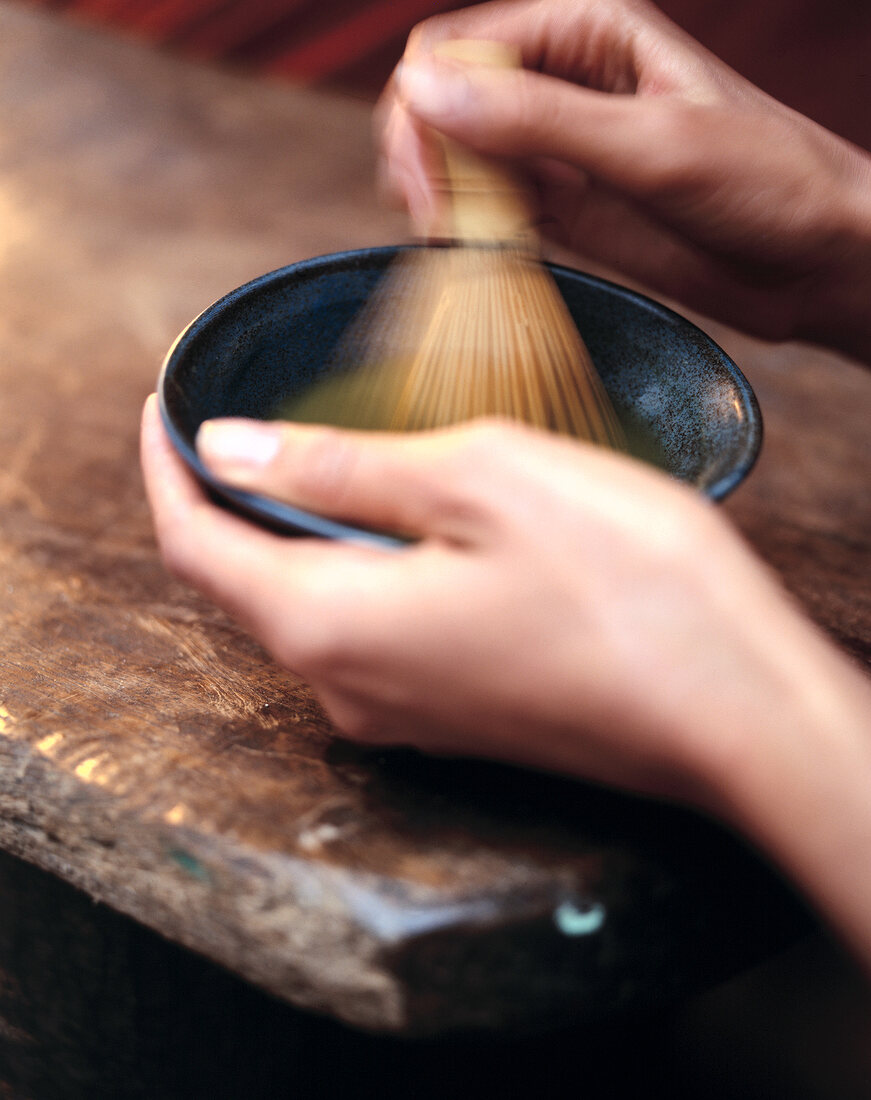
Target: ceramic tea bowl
point(684, 404)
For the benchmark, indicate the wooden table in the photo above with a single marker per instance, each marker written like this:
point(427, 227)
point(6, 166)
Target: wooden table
point(153, 757)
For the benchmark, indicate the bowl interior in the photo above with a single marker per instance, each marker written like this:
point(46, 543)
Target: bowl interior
point(685, 405)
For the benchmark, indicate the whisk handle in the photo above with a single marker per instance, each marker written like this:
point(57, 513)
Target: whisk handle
point(487, 203)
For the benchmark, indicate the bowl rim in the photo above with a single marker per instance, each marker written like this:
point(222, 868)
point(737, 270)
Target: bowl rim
point(288, 519)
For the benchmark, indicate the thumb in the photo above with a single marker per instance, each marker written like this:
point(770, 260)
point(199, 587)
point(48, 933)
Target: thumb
point(404, 483)
point(623, 139)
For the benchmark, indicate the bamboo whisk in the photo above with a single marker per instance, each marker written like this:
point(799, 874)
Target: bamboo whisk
point(473, 329)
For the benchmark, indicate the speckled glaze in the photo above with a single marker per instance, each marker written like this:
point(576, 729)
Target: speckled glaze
point(267, 340)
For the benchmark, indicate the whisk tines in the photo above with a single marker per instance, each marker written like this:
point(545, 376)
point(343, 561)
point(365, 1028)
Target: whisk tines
point(474, 328)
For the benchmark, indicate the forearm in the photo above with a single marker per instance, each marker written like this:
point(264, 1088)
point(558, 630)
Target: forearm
point(799, 785)
point(837, 311)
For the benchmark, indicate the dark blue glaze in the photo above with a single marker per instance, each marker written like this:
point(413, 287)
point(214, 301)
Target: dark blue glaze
point(269, 339)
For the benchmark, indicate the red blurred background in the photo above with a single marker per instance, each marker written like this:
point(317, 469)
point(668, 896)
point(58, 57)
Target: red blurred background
point(813, 54)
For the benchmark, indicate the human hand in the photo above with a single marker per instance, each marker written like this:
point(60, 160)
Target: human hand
point(563, 607)
point(649, 154)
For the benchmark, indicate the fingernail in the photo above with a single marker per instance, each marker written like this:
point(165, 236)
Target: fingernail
point(433, 93)
point(239, 443)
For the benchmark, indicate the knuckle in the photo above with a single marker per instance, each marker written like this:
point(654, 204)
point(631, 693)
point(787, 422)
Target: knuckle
point(326, 636)
point(678, 133)
point(356, 723)
point(472, 474)
point(173, 560)
point(324, 658)
point(684, 529)
point(490, 444)
point(323, 470)
point(310, 651)
point(700, 528)
point(310, 641)
point(429, 32)
point(527, 113)
point(177, 553)
point(493, 436)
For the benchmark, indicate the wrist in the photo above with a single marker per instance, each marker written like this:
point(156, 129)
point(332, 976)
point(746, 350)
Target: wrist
point(837, 310)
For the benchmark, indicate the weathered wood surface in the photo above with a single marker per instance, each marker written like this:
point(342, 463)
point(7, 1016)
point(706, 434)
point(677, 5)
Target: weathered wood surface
point(94, 1006)
point(153, 756)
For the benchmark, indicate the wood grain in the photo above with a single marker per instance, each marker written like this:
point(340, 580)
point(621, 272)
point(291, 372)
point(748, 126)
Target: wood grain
point(152, 755)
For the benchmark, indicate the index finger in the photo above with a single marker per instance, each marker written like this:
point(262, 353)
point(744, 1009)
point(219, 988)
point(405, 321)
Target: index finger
point(247, 571)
